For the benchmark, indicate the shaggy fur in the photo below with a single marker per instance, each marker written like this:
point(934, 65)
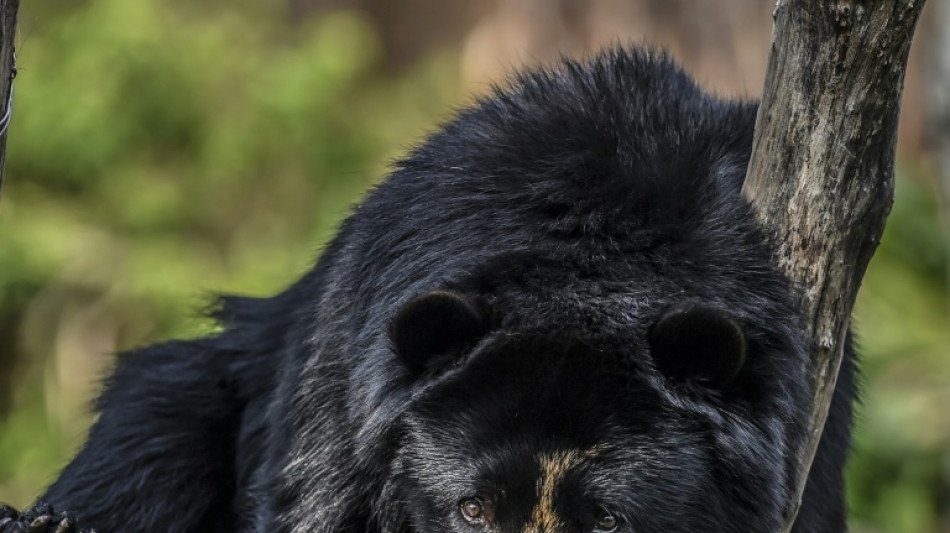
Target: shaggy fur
point(556, 315)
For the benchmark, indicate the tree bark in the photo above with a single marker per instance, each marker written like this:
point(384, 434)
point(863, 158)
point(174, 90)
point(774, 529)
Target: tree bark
point(821, 178)
point(8, 11)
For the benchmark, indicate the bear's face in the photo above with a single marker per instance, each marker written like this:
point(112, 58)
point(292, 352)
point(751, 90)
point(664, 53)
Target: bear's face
point(530, 433)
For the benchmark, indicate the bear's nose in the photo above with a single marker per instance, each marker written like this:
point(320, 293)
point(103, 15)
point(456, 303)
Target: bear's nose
point(553, 466)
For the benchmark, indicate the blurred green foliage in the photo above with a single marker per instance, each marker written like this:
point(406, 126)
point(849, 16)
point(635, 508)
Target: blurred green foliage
point(162, 150)
point(899, 479)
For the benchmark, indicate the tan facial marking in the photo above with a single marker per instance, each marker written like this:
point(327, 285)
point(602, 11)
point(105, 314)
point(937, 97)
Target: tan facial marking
point(553, 467)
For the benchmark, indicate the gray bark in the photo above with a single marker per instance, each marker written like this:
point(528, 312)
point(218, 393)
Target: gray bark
point(821, 177)
point(8, 11)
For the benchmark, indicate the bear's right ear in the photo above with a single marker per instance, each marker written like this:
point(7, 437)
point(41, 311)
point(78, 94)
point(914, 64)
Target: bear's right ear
point(699, 343)
point(434, 325)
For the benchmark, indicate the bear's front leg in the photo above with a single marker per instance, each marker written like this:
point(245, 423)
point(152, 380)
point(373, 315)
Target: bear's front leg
point(41, 518)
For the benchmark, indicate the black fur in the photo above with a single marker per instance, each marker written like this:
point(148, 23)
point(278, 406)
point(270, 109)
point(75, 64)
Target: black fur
point(433, 326)
point(559, 220)
point(698, 343)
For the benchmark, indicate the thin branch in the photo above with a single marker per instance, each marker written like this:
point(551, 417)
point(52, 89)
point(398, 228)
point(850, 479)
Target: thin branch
point(8, 12)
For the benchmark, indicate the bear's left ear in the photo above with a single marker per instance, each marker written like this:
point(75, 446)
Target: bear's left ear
point(433, 325)
point(699, 343)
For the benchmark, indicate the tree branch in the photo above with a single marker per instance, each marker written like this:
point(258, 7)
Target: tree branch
point(821, 178)
point(8, 11)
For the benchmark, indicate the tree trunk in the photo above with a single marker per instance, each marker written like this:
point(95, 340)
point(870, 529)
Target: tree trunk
point(821, 177)
point(8, 10)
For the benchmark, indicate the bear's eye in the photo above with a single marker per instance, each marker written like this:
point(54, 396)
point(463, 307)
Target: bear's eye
point(472, 510)
point(605, 523)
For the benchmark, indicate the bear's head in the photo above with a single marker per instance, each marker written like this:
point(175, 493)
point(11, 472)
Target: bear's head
point(668, 427)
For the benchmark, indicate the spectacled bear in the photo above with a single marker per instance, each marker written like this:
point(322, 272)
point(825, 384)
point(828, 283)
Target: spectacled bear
point(556, 315)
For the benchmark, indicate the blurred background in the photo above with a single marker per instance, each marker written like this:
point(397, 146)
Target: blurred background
point(165, 150)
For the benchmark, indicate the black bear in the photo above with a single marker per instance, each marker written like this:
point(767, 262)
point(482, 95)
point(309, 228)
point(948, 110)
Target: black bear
point(556, 315)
